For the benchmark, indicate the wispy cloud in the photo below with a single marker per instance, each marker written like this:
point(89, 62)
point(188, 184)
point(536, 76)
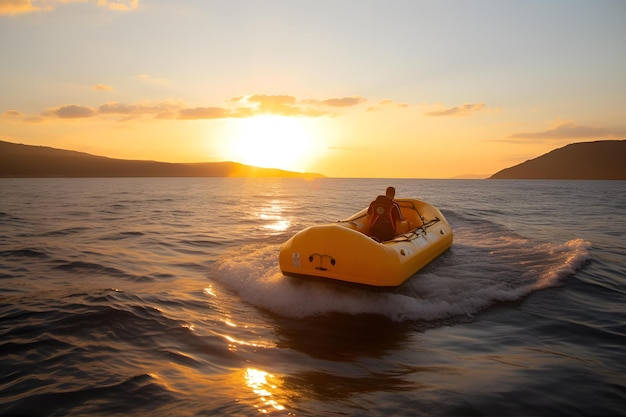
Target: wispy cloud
point(18, 116)
point(276, 104)
point(162, 109)
point(338, 102)
point(102, 87)
point(198, 113)
point(71, 111)
point(569, 130)
point(249, 106)
point(236, 107)
point(387, 104)
point(14, 7)
point(12, 114)
point(459, 111)
point(123, 6)
point(286, 105)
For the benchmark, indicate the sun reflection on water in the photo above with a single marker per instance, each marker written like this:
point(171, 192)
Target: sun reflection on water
point(262, 385)
point(273, 214)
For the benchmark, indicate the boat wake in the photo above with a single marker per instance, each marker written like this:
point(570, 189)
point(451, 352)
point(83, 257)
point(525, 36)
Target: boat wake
point(486, 265)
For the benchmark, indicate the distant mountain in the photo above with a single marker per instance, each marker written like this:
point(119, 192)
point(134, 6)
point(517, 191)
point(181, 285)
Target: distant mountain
point(601, 160)
point(17, 160)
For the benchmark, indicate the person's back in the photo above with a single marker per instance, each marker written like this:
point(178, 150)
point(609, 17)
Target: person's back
point(384, 212)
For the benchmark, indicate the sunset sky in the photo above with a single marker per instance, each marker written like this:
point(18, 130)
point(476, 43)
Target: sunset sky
point(346, 88)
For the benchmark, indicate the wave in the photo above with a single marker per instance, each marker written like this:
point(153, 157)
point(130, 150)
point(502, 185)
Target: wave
point(100, 352)
point(143, 392)
point(92, 268)
point(123, 235)
point(15, 262)
point(486, 265)
point(66, 231)
point(24, 253)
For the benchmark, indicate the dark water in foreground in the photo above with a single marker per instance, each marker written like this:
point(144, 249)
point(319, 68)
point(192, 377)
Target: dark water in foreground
point(164, 297)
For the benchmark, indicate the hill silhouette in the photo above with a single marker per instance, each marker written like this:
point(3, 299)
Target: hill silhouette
point(600, 160)
point(18, 160)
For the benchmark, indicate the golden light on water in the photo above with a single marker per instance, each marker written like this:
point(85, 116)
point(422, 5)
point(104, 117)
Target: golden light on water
point(233, 344)
point(229, 323)
point(261, 383)
point(274, 217)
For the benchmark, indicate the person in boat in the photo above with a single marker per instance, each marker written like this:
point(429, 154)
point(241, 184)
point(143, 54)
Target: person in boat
point(384, 212)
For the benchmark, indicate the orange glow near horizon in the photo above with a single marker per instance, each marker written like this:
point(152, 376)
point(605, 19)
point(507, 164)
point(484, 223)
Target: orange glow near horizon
point(281, 93)
point(270, 141)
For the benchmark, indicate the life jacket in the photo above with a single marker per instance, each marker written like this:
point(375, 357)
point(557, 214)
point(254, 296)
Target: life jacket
point(383, 218)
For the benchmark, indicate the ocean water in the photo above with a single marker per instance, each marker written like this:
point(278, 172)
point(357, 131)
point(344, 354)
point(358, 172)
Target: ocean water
point(163, 297)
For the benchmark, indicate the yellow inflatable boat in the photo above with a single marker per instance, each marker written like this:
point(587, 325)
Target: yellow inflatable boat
point(344, 250)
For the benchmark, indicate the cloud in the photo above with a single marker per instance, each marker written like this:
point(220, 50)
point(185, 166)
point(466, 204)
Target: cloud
point(460, 111)
point(568, 130)
point(203, 113)
point(14, 7)
point(236, 107)
point(286, 105)
point(102, 87)
point(12, 114)
point(338, 102)
point(393, 103)
point(18, 116)
point(273, 104)
point(161, 110)
point(71, 111)
point(280, 105)
point(387, 104)
point(117, 5)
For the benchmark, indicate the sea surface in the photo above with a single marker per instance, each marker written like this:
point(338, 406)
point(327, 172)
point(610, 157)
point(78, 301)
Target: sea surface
point(163, 297)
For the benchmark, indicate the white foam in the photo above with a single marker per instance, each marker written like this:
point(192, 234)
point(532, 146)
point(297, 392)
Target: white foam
point(568, 258)
point(463, 282)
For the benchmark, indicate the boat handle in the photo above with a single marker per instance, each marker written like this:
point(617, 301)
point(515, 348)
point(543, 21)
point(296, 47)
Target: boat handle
point(321, 257)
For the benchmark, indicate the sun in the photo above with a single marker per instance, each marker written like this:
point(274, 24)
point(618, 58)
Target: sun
point(269, 141)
